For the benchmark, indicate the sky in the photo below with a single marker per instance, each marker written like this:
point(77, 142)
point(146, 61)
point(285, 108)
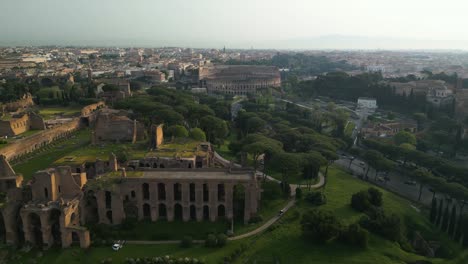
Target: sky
point(286, 24)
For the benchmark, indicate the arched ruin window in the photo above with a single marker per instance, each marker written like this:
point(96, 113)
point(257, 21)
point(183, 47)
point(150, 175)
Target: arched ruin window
point(192, 192)
point(46, 193)
point(161, 191)
point(146, 193)
point(221, 192)
point(108, 199)
point(221, 211)
point(177, 192)
point(206, 196)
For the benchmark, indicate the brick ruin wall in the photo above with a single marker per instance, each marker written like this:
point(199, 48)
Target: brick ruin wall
point(22, 124)
point(24, 102)
point(40, 139)
point(87, 110)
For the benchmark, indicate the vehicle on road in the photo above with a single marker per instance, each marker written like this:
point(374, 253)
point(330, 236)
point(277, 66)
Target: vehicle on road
point(410, 182)
point(362, 163)
point(117, 246)
point(281, 212)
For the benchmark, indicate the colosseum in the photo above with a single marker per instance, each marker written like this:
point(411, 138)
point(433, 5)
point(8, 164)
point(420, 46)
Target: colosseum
point(238, 79)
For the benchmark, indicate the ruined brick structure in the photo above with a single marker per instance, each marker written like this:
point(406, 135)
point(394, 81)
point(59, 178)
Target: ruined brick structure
point(45, 212)
point(45, 137)
point(156, 136)
point(238, 79)
point(114, 125)
point(21, 123)
point(54, 206)
point(201, 194)
point(19, 105)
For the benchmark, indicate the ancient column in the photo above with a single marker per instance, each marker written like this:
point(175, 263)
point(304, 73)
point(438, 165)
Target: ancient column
point(199, 200)
point(229, 200)
point(170, 201)
point(213, 200)
point(185, 201)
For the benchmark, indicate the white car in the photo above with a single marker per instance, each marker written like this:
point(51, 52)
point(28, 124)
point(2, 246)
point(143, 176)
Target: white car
point(117, 246)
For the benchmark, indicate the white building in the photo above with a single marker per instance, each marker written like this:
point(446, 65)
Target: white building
point(369, 103)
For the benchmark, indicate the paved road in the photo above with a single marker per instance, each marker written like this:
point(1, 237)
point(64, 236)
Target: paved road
point(246, 235)
point(396, 181)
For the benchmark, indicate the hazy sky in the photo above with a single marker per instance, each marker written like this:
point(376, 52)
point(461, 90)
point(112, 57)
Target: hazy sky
point(237, 23)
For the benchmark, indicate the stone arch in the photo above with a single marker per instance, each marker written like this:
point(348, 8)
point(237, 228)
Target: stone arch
point(36, 229)
point(192, 195)
point(19, 228)
point(109, 216)
point(146, 192)
point(162, 211)
point(92, 213)
point(161, 191)
point(75, 238)
point(178, 211)
point(206, 212)
point(54, 221)
point(108, 199)
point(238, 201)
point(177, 192)
point(131, 210)
point(221, 211)
point(2, 229)
point(146, 211)
point(206, 193)
point(221, 192)
point(193, 212)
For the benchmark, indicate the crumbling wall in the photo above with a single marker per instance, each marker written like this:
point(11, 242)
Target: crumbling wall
point(38, 140)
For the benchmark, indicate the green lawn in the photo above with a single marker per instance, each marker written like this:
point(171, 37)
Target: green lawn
point(281, 243)
point(44, 158)
point(96, 254)
point(284, 243)
point(349, 128)
point(50, 112)
point(102, 151)
point(224, 151)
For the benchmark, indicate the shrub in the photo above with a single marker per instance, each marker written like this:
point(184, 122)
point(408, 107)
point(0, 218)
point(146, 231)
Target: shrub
point(354, 235)
point(375, 197)
point(298, 193)
point(255, 219)
point(360, 201)
point(186, 242)
point(388, 227)
point(210, 241)
point(197, 134)
point(221, 240)
point(316, 198)
point(320, 226)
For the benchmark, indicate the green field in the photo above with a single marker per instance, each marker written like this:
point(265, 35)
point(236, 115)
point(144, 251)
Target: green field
point(51, 112)
point(46, 157)
point(283, 242)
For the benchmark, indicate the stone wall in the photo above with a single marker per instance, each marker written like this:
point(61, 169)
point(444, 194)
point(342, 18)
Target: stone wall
point(206, 194)
point(21, 124)
point(157, 136)
point(22, 103)
point(87, 110)
point(40, 139)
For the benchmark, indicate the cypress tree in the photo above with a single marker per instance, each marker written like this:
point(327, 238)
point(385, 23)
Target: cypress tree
point(433, 214)
point(439, 212)
point(453, 221)
point(459, 229)
point(445, 219)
